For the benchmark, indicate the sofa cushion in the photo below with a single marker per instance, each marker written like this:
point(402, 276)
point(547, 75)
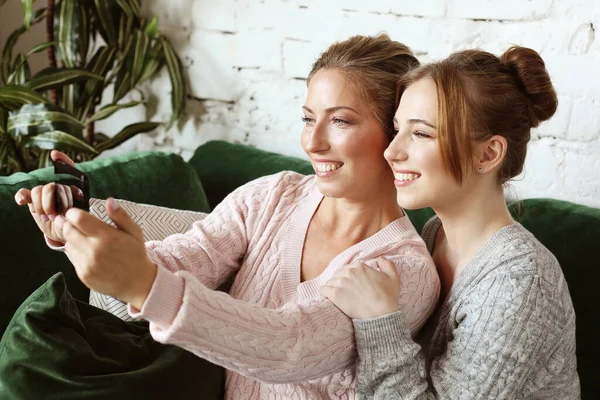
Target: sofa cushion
point(223, 166)
point(150, 177)
point(58, 346)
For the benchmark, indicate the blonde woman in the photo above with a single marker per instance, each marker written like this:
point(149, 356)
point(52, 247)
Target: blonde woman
point(282, 236)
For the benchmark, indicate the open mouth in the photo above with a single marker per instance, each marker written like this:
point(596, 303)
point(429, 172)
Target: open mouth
point(324, 168)
point(406, 177)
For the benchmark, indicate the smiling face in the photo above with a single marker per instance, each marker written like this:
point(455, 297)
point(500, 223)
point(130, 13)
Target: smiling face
point(342, 138)
point(420, 176)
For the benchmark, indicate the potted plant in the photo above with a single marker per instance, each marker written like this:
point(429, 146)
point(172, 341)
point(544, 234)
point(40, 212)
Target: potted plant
point(91, 45)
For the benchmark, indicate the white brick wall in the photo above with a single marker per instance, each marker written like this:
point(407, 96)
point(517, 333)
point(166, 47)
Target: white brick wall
point(247, 60)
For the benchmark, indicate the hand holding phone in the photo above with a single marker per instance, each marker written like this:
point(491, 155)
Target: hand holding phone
point(75, 186)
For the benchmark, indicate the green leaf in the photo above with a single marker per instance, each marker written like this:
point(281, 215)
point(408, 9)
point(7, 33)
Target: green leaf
point(126, 7)
point(127, 133)
point(154, 61)
point(100, 64)
point(12, 40)
point(21, 71)
point(179, 91)
point(40, 47)
point(27, 12)
point(152, 27)
point(58, 140)
point(9, 161)
point(72, 30)
point(140, 49)
point(49, 78)
point(12, 97)
point(35, 119)
point(106, 16)
point(110, 109)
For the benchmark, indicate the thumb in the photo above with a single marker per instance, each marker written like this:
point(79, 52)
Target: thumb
point(56, 155)
point(122, 220)
point(388, 268)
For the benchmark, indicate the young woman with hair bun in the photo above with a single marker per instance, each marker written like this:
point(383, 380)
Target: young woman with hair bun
point(505, 326)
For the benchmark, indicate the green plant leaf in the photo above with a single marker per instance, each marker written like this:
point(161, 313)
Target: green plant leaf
point(56, 77)
point(12, 97)
point(126, 7)
point(58, 140)
point(154, 61)
point(21, 71)
point(72, 30)
point(152, 27)
point(35, 119)
point(27, 12)
point(100, 64)
point(110, 109)
point(127, 133)
point(140, 50)
point(12, 40)
point(106, 16)
point(179, 90)
point(9, 161)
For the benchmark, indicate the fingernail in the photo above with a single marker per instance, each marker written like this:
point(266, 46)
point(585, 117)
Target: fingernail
point(51, 217)
point(44, 217)
point(112, 204)
point(20, 200)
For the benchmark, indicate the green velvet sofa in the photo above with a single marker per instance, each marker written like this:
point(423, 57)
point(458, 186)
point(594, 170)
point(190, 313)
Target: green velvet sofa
point(570, 231)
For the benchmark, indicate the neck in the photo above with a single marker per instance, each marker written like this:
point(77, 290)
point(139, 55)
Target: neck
point(470, 222)
point(359, 218)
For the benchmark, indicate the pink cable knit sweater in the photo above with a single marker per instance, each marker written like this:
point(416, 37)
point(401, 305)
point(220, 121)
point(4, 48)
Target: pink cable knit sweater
point(277, 336)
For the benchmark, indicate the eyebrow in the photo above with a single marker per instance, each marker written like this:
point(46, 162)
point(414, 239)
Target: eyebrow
point(332, 109)
point(420, 121)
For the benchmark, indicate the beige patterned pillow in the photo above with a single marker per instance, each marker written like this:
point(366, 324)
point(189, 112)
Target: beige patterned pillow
point(156, 222)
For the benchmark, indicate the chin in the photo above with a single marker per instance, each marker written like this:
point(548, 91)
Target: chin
point(330, 189)
point(410, 202)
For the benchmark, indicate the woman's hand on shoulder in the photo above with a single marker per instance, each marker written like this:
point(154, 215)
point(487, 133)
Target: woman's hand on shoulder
point(363, 292)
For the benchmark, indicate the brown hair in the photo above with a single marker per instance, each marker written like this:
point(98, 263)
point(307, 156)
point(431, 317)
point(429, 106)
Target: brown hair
point(481, 95)
point(374, 64)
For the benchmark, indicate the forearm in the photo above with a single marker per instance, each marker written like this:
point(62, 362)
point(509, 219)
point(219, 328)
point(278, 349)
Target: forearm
point(390, 363)
point(291, 344)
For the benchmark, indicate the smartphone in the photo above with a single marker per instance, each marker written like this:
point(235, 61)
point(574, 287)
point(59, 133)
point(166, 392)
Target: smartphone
point(73, 179)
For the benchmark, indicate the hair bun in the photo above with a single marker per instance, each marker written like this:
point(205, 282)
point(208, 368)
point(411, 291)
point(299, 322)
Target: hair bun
point(529, 71)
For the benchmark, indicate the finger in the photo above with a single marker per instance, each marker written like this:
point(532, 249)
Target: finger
point(23, 196)
point(36, 201)
point(48, 199)
point(58, 225)
point(76, 193)
point(56, 155)
point(86, 223)
point(62, 198)
point(122, 220)
point(387, 267)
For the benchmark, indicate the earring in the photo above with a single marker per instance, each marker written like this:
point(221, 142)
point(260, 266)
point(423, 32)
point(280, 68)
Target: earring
point(480, 168)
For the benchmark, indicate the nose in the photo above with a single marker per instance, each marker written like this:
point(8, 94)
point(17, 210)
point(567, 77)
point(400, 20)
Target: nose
point(396, 151)
point(315, 138)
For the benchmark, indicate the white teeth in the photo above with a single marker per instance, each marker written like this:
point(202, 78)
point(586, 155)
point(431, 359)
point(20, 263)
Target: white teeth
point(406, 177)
point(326, 167)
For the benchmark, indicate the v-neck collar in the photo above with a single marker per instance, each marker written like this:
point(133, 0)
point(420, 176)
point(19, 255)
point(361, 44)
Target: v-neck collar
point(292, 289)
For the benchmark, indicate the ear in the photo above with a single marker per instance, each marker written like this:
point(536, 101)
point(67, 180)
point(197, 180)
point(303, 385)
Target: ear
point(493, 151)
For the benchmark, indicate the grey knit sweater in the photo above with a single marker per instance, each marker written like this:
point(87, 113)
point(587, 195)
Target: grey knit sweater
point(506, 330)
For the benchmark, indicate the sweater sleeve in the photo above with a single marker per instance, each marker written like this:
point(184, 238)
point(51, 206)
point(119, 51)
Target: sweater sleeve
point(294, 343)
point(291, 344)
point(496, 346)
point(212, 250)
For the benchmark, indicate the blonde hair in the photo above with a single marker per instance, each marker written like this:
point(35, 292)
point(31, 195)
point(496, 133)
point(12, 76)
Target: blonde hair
point(374, 64)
